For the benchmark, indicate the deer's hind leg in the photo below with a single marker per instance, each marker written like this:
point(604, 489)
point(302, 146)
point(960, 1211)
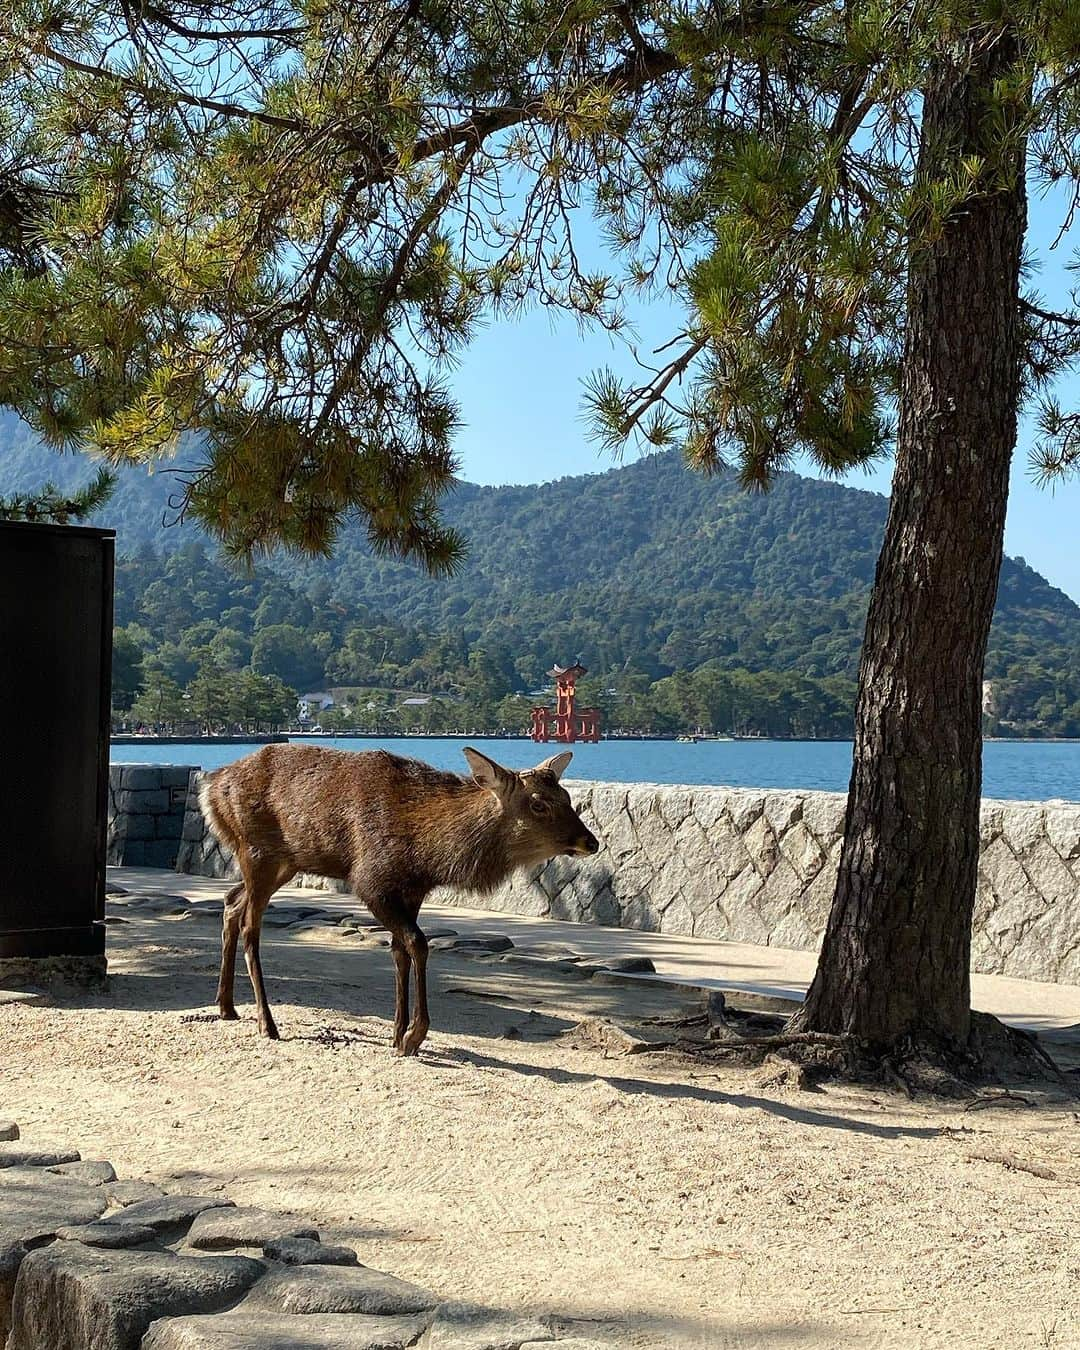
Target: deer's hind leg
point(262, 877)
point(230, 935)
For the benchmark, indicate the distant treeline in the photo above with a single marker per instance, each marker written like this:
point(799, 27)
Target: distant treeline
point(648, 572)
point(198, 644)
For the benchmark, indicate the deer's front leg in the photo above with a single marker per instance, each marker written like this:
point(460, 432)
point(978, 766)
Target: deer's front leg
point(390, 911)
point(416, 945)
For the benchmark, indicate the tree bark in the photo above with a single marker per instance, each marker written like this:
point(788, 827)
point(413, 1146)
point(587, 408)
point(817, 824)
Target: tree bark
point(895, 959)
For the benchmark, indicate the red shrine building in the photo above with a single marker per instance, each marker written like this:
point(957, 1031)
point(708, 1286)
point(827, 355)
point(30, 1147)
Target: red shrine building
point(565, 722)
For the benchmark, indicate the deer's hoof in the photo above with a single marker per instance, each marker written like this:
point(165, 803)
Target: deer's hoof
point(228, 1014)
point(271, 1032)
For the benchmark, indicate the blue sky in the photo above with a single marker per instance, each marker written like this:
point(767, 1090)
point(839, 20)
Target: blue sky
point(520, 390)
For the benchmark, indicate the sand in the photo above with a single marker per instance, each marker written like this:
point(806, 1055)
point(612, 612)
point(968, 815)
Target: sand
point(653, 1202)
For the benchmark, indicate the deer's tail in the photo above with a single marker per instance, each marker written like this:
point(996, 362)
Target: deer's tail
point(210, 813)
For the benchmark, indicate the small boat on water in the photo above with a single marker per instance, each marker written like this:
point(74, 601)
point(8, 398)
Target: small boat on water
point(687, 740)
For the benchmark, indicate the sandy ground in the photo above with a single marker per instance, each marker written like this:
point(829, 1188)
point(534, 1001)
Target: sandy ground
point(657, 1202)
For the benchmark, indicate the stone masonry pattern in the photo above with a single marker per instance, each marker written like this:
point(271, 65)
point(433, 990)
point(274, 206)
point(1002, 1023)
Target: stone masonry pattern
point(89, 1262)
point(744, 865)
point(146, 813)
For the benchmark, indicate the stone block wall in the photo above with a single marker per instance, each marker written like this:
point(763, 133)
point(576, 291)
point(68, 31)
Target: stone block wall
point(146, 813)
point(745, 865)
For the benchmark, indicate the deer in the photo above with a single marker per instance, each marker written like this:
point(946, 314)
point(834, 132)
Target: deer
point(394, 829)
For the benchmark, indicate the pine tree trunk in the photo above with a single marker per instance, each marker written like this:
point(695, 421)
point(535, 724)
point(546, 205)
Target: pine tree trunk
point(894, 964)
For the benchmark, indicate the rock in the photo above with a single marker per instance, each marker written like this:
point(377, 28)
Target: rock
point(337, 1289)
point(280, 916)
point(93, 1173)
point(69, 1296)
point(561, 964)
point(465, 1326)
point(556, 951)
point(131, 1192)
point(8, 1130)
point(571, 1343)
point(305, 1252)
point(474, 942)
point(219, 1229)
point(34, 1203)
point(624, 965)
point(168, 1212)
point(107, 1234)
point(12, 1252)
point(329, 1331)
point(18, 1155)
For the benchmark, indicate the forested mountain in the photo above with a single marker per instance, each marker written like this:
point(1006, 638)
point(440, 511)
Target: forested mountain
point(645, 570)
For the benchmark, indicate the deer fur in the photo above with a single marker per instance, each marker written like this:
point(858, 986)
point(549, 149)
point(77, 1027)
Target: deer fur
point(394, 828)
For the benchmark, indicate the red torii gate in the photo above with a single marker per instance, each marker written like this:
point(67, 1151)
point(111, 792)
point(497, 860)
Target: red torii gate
point(564, 722)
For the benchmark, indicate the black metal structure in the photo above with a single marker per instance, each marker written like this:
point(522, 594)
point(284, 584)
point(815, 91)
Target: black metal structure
point(56, 603)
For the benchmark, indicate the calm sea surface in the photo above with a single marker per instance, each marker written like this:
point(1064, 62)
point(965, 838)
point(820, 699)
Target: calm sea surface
point(1025, 770)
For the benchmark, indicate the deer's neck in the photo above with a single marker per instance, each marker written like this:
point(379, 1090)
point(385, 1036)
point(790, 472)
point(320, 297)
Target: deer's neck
point(474, 850)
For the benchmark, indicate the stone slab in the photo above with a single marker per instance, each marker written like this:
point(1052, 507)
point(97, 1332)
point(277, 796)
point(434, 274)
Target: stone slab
point(568, 1343)
point(34, 1203)
point(8, 1130)
point(469, 1326)
point(132, 1192)
point(23, 1155)
point(475, 942)
point(107, 1234)
point(12, 1252)
point(169, 1212)
point(329, 1331)
point(305, 1252)
point(72, 1297)
point(338, 1289)
point(93, 1173)
point(220, 1229)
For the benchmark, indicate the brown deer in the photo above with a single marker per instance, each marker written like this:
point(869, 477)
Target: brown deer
point(393, 828)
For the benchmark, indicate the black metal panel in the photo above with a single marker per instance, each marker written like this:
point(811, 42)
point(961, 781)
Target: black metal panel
point(56, 592)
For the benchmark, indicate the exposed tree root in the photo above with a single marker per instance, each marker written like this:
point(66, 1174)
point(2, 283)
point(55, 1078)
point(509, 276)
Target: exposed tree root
point(1015, 1164)
point(996, 1054)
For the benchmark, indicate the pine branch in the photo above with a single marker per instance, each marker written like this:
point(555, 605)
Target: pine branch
point(1050, 316)
point(49, 505)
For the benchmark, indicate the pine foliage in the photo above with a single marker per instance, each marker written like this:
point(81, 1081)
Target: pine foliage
point(49, 504)
point(277, 223)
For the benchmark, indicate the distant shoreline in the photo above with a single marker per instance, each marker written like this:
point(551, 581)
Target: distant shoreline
point(282, 738)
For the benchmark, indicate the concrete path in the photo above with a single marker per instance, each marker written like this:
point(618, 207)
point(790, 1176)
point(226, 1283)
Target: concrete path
point(1053, 1009)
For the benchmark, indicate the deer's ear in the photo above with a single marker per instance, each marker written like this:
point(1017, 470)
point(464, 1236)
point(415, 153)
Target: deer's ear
point(557, 763)
point(488, 774)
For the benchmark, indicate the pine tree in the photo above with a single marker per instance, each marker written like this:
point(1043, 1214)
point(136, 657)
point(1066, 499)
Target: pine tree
point(275, 224)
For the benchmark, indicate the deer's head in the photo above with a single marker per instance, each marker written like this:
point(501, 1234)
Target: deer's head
point(540, 818)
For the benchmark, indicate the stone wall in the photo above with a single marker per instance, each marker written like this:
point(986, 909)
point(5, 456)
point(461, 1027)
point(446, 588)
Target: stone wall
point(759, 866)
point(146, 813)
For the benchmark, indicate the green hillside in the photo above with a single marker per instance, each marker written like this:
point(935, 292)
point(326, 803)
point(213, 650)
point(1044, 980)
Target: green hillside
point(646, 570)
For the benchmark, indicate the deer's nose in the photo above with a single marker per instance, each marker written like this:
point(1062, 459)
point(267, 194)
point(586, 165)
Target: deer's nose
point(589, 844)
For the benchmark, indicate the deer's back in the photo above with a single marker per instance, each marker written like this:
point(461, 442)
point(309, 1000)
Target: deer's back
point(325, 811)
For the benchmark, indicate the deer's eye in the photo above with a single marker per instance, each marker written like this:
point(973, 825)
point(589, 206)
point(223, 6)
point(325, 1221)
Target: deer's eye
point(539, 807)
